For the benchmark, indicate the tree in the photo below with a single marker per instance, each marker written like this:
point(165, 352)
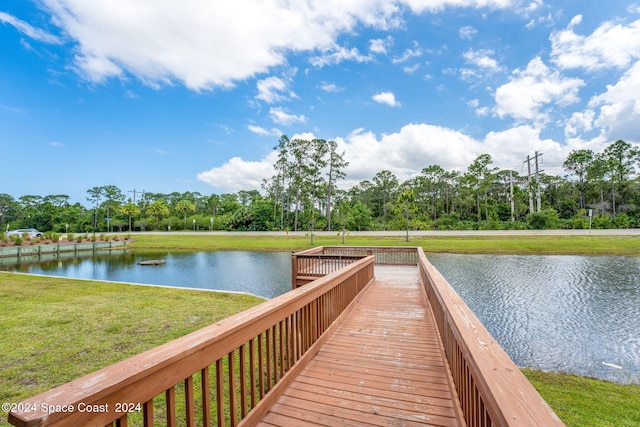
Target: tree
point(385, 184)
point(578, 163)
point(158, 209)
point(95, 196)
point(335, 164)
point(481, 177)
point(113, 197)
point(432, 181)
point(130, 209)
point(184, 206)
point(619, 160)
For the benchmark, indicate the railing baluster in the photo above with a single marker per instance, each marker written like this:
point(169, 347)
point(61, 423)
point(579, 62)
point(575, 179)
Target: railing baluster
point(147, 410)
point(170, 399)
point(252, 371)
point(242, 366)
point(189, 401)
point(206, 396)
point(233, 405)
point(268, 361)
point(274, 356)
point(281, 343)
point(220, 392)
point(261, 364)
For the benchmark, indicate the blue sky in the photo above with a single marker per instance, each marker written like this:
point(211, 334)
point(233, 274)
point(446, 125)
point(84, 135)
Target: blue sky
point(167, 96)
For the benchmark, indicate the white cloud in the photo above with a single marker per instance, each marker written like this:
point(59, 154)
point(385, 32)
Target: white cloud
point(467, 33)
point(579, 122)
point(264, 132)
point(337, 54)
point(619, 106)
point(611, 45)
point(278, 115)
point(532, 89)
point(203, 44)
point(28, 30)
point(482, 59)
point(408, 54)
point(405, 153)
point(439, 5)
point(380, 46)
point(386, 98)
point(238, 174)
point(330, 87)
point(273, 89)
point(410, 69)
point(57, 144)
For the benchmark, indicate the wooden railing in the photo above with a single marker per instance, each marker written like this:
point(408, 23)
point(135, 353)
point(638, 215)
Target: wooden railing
point(382, 254)
point(224, 374)
point(308, 265)
point(491, 389)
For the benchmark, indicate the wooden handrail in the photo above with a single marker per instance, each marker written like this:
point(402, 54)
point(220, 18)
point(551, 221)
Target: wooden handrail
point(233, 364)
point(491, 389)
point(383, 254)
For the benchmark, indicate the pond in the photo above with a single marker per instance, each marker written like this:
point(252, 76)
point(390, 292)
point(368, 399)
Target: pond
point(265, 274)
point(558, 313)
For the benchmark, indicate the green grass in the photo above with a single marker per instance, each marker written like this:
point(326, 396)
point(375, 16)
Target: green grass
point(580, 401)
point(55, 330)
point(522, 245)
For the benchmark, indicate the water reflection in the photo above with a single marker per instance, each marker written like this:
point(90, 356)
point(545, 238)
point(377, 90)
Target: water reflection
point(265, 274)
point(558, 313)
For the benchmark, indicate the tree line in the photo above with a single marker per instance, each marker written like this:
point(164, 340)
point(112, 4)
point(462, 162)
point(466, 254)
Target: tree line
point(303, 194)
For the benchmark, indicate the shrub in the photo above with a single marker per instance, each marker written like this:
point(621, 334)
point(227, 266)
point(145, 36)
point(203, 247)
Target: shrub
point(544, 220)
point(623, 220)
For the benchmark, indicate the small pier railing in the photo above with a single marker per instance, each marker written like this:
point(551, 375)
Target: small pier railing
point(491, 389)
point(223, 374)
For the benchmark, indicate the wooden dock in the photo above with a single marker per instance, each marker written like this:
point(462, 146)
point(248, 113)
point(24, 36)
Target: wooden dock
point(383, 366)
point(367, 336)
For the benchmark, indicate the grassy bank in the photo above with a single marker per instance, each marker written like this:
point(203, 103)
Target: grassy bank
point(580, 401)
point(55, 330)
point(517, 244)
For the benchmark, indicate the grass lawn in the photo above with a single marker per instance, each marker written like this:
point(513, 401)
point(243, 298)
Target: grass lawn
point(56, 330)
point(580, 401)
point(517, 244)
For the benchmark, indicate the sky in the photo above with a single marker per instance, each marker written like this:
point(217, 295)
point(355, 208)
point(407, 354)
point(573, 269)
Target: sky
point(193, 95)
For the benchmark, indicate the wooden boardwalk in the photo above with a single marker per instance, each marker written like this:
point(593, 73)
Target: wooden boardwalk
point(383, 366)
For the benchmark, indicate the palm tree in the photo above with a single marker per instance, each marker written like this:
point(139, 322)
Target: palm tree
point(185, 206)
point(130, 209)
point(158, 209)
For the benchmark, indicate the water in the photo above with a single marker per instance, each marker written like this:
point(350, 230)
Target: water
point(265, 274)
point(572, 314)
point(558, 313)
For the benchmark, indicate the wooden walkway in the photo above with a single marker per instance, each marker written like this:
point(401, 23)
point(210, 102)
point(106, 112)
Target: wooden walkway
point(384, 366)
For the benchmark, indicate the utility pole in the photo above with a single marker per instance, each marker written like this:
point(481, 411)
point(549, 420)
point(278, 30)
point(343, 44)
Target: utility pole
point(537, 182)
point(134, 195)
point(511, 194)
point(538, 198)
point(529, 184)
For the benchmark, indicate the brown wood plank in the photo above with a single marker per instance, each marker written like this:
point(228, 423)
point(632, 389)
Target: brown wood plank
point(382, 366)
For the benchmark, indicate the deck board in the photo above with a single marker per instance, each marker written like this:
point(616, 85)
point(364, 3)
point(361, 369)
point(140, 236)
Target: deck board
point(383, 366)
